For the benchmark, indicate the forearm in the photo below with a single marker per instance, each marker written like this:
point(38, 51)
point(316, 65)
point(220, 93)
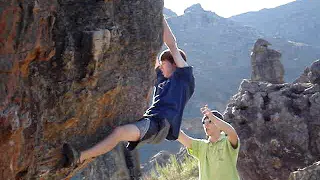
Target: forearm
point(168, 36)
point(185, 139)
point(225, 127)
point(171, 43)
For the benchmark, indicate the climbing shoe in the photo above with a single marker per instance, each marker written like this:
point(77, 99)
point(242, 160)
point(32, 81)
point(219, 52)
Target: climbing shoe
point(71, 156)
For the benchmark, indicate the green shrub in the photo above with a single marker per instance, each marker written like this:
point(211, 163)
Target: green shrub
point(187, 170)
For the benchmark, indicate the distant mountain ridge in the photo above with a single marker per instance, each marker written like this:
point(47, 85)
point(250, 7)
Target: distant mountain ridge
point(295, 21)
point(169, 13)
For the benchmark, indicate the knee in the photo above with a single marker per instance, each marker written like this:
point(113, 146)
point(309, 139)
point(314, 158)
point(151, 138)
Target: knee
point(118, 132)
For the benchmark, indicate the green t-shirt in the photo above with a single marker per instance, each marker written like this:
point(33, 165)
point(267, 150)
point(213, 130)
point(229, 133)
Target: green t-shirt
point(217, 161)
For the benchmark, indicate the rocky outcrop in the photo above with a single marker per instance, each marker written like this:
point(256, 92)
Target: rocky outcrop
point(265, 62)
point(71, 71)
point(309, 173)
point(314, 74)
point(310, 74)
point(303, 77)
point(278, 126)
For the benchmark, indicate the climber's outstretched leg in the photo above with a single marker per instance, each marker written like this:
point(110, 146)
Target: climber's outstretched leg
point(129, 132)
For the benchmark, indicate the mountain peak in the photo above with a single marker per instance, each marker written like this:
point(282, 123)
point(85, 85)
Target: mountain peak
point(197, 9)
point(169, 13)
point(194, 8)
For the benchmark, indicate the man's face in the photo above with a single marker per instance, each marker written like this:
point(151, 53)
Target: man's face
point(209, 127)
point(167, 68)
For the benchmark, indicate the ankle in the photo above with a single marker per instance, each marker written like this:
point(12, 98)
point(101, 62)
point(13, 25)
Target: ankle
point(82, 158)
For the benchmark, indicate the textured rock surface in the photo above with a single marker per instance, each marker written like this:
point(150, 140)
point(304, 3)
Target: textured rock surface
point(309, 173)
point(303, 77)
point(314, 74)
point(278, 126)
point(310, 74)
point(70, 71)
point(265, 62)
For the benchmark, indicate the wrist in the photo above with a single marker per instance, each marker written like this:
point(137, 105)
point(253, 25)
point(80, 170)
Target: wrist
point(172, 46)
point(213, 118)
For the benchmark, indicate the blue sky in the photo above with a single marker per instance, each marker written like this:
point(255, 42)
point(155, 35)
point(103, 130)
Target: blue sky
point(224, 8)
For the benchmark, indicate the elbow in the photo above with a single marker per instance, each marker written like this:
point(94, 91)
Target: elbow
point(234, 137)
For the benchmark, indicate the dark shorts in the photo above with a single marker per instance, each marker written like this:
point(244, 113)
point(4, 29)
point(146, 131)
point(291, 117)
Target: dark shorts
point(152, 131)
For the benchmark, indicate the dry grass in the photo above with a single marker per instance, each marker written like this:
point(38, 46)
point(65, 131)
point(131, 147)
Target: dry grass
point(187, 170)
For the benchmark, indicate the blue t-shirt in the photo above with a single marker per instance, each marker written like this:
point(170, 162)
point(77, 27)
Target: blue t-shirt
point(170, 97)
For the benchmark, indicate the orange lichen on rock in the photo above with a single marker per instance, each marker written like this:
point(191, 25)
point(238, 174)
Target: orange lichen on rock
point(90, 81)
point(107, 99)
point(11, 155)
point(52, 130)
point(24, 65)
point(38, 53)
point(45, 57)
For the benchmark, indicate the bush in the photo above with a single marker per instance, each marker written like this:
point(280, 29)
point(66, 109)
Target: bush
point(186, 170)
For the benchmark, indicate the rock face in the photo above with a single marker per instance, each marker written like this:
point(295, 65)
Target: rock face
point(278, 126)
point(303, 77)
point(310, 75)
point(266, 65)
point(71, 71)
point(314, 74)
point(309, 173)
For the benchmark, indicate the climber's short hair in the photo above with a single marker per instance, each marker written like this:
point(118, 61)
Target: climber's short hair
point(167, 55)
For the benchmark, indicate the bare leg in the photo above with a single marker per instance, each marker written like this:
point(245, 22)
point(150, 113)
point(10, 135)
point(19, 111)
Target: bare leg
point(127, 132)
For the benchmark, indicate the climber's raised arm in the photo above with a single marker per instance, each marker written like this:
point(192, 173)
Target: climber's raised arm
point(157, 64)
point(171, 43)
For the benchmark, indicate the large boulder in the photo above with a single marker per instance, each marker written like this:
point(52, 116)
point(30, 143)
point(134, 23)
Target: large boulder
point(71, 71)
point(278, 126)
point(266, 64)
